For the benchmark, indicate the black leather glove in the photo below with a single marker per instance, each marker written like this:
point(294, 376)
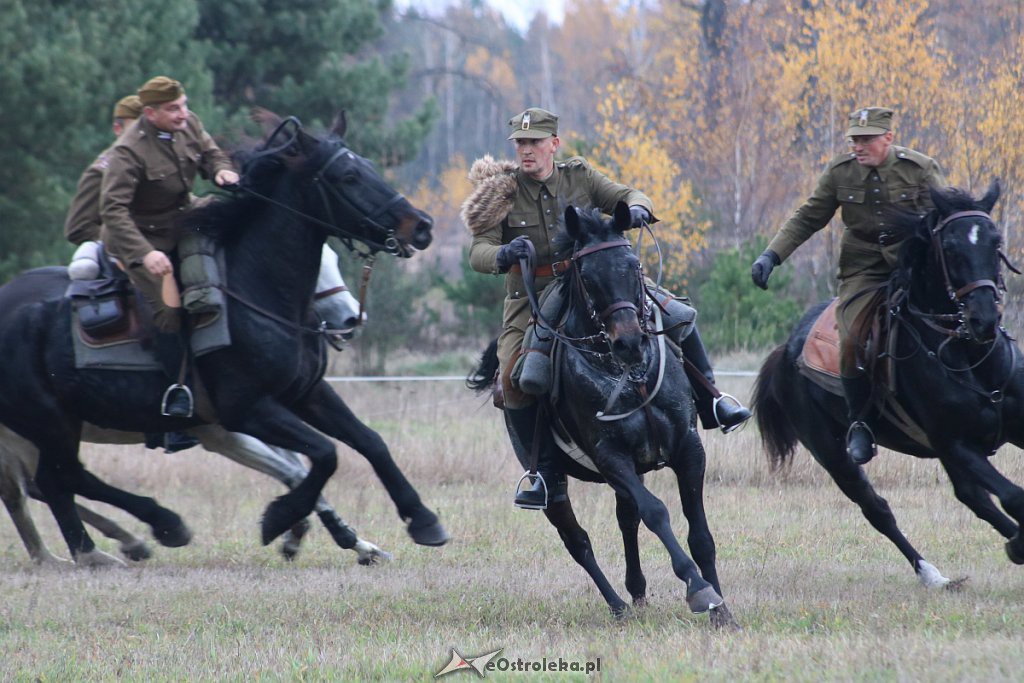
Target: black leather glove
point(638, 215)
point(763, 267)
point(509, 254)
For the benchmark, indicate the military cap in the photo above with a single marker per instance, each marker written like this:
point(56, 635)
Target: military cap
point(128, 108)
point(534, 123)
point(159, 90)
point(870, 121)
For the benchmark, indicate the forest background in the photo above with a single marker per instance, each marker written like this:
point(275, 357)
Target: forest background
point(724, 112)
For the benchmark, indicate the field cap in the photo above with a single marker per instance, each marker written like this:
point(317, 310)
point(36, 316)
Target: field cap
point(128, 108)
point(159, 90)
point(534, 123)
point(870, 121)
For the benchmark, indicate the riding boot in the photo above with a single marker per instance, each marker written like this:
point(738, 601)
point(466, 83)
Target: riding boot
point(170, 351)
point(171, 442)
point(535, 376)
point(714, 408)
point(860, 439)
point(535, 491)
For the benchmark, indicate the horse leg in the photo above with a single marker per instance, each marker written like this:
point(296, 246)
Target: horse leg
point(619, 473)
point(577, 542)
point(132, 547)
point(286, 467)
point(1010, 495)
point(972, 494)
point(14, 500)
point(829, 449)
point(271, 422)
point(324, 409)
point(629, 524)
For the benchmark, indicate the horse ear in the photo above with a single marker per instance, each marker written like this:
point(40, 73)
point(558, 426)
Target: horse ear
point(622, 218)
point(991, 196)
point(572, 222)
point(267, 120)
point(340, 124)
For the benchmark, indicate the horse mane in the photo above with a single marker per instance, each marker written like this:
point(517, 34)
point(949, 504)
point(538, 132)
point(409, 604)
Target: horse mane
point(263, 173)
point(915, 247)
point(594, 223)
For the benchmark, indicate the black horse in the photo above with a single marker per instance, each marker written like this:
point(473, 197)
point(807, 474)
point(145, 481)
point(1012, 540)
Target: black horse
point(648, 423)
point(295, 191)
point(958, 376)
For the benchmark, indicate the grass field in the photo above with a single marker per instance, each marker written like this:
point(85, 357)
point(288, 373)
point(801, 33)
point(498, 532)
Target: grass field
point(819, 594)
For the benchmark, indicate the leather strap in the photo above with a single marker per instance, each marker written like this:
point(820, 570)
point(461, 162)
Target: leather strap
point(548, 270)
point(884, 238)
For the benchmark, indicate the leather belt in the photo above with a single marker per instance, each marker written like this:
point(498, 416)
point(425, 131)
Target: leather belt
point(883, 238)
point(549, 270)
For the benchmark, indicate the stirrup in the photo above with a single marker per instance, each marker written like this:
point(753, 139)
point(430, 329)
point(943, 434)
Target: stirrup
point(860, 424)
point(714, 411)
point(171, 390)
point(532, 477)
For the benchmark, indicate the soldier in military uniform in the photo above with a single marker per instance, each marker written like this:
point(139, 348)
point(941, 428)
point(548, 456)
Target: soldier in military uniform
point(874, 175)
point(146, 187)
point(83, 220)
point(510, 205)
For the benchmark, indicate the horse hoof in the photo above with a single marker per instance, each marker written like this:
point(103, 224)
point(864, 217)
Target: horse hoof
point(373, 555)
point(704, 600)
point(96, 558)
point(640, 602)
point(621, 612)
point(1015, 549)
point(278, 518)
point(173, 537)
point(721, 618)
point(432, 534)
point(137, 551)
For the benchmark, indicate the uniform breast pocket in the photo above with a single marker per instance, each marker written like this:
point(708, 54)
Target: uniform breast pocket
point(161, 172)
point(850, 195)
point(905, 195)
point(523, 223)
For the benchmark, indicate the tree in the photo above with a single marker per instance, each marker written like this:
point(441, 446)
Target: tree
point(60, 75)
point(310, 58)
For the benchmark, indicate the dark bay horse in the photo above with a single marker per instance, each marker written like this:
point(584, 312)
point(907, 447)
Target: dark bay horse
point(649, 424)
point(958, 375)
point(296, 190)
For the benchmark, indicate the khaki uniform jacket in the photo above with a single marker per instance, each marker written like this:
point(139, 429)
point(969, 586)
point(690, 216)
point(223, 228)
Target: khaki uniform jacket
point(148, 183)
point(862, 193)
point(537, 212)
point(83, 219)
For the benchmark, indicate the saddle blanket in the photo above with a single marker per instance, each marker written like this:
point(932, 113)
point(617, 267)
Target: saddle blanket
point(127, 353)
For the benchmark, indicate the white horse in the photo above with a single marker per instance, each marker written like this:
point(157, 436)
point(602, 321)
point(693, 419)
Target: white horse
point(339, 313)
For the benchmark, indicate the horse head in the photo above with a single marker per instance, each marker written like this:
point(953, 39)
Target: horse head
point(337, 310)
point(607, 279)
point(355, 202)
point(964, 256)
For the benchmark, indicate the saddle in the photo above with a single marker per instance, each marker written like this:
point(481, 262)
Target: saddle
point(819, 362)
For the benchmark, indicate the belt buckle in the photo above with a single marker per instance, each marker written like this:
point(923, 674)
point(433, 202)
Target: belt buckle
point(556, 268)
point(884, 238)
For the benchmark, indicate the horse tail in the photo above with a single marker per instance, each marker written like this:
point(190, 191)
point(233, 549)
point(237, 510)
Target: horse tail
point(778, 433)
point(482, 377)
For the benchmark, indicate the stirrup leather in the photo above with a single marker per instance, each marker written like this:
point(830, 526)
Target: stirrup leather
point(532, 477)
point(714, 410)
point(171, 391)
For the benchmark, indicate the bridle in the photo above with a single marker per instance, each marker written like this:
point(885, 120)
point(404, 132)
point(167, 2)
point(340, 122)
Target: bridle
point(390, 242)
point(957, 295)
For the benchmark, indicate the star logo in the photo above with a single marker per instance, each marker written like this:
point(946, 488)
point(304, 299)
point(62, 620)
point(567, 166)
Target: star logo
point(478, 663)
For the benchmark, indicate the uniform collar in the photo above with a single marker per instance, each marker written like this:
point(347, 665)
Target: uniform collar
point(533, 186)
point(883, 169)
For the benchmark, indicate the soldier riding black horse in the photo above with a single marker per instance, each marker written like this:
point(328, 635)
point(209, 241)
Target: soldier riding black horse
point(626, 409)
point(959, 376)
point(296, 191)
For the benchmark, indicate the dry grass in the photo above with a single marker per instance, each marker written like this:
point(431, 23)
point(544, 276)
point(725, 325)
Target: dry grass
point(820, 595)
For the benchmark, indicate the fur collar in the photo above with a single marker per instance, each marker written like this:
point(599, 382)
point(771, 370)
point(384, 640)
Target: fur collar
point(494, 192)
